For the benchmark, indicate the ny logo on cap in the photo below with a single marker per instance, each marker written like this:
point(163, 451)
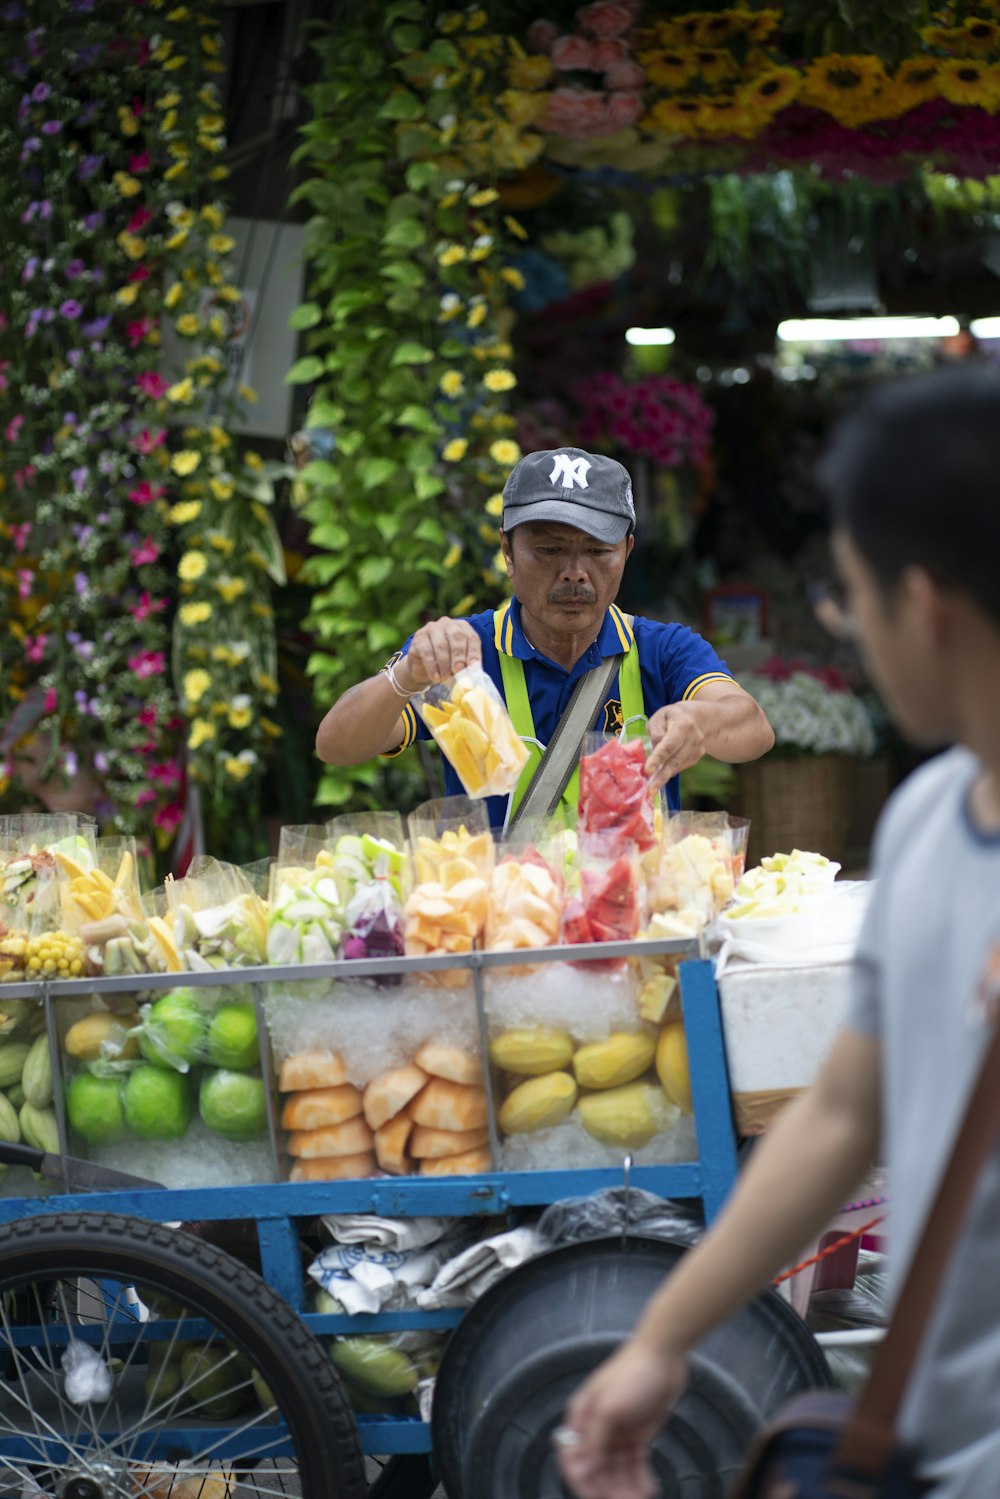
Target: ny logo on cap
point(569, 471)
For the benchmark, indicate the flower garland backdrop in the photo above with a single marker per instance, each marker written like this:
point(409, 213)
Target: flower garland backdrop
point(112, 515)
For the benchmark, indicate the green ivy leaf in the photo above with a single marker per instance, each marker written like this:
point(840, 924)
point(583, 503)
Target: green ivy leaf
point(321, 570)
point(305, 370)
point(381, 636)
point(420, 419)
point(420, 175)
point(401, 105)
point(323, 414)
point(412, 353)
point(388, 526)
point(430, 530)
point(403, 10)
point(332, 535)
point(426, 486)
point(346, 302)
point(375, 570)
point(377, 471)
point(405, 234)
point(349, 442)
point(405, 272)
point(443, 52)
point(319, 471)
point(305, 316)
point(407, 38)
point(406, 300)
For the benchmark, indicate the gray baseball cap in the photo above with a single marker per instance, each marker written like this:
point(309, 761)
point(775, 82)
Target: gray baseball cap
point(581, 489)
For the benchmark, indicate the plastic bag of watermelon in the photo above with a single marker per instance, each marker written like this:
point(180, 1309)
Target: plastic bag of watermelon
point(615, 795)
point(610, 903)
point(469, 721)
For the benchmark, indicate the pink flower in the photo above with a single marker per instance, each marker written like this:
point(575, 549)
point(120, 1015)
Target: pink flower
point(146, 441)
point(147, 663)
point(148, 551)
point(573, 53)
point(167, 774)
point(25, 579)
point(607, 17)
point(51, 700)
point(623, 110)
point(610, 52)
point(136, 332)
point(34, 647)
point(23, 475)
point(169, 817)
point(147, 717)
point(624, 75)
point(140, 273)
point(145, 493)
point(145, 796)
point(541, 35)
point(144, 608)
point(139, 219)
point(13, 427)
point(576, 112)
point(19, 535)
point(152, 384)
point(139, 162)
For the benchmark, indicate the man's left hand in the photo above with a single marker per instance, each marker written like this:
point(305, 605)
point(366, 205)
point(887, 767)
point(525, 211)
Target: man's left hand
point(678, 742)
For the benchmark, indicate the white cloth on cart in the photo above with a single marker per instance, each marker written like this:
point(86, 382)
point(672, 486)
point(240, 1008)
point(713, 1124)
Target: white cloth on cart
point(366, 1279)
point(824, 933)
point(464, 1278)
point(385, 1233)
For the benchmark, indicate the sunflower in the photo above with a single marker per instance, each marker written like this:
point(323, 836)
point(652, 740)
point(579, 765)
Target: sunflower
point(677, 116)
point(849, 87)
point(671, 69)
point(714, 64)
point(915, 81)
point(762, 23)
point(725, 114)
point(679, 31)
point(965, 81)
point(981, 35)
point(942, 38)
point(771, 90)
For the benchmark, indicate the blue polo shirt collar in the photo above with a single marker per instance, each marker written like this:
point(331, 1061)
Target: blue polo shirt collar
point(615, 636)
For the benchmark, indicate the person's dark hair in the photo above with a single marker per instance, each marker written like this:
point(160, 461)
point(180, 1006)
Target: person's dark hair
point(913, 477)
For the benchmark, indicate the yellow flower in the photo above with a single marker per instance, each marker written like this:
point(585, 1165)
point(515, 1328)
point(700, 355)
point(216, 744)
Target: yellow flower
point(450, 306)
point(182, 391)
point(169, 101)
point(219, 173)
point(185, 462)
point(134, 247)
point(180, 14)
point(452, 556)
point(964, 81)
point(497, 380)
point(173, 63)
point(848, 87)
point(211, 124)
point(529, 72)
point(253, 460)
point(179, 215)
point(222, 489)
point(126, 295)
point(981, 35)
point(239, 718)
point(230, 589)
point(271, 729)
point(191, 567)
point(513, 227)
point(771, 90)
point(173, 295)
point(671, 69)
point(201, 731)
point(522, 109)
point(477, 315)
point(192, 275)
point(210, 44)
point(177, 170)
point(217, 326)
point(127, 122)
point(505, 452)
point(213, 215)
point(513, 277)
point(179, 149)
point(483, 197)
point(723, 114)
point(126, 185)
point(916, 80)
point(183, 513)
point(187, 325)
point(221, 244)
point(219, 438)
point(452, 383)
point(230, 293)
point(452, 255)
point(266, 682)
point(494, 505)
point(223, 544)
point(212, 273)
point(195, 613)
point(196, 684)
point(248, 394)
point(163, 51)
point(455, 450)
point(238, 769)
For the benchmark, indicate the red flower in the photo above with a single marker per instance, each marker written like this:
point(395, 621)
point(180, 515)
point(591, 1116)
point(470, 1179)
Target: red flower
point(147, 440)
point(147, 663)
point(147, 717)
point(152, 384)
point(167, 774)
point(51, 700)
point(138, 331)
point(139, 162)
point(147, 552)
point(146, 795)
point(145, 493)
point(139, 219)
point(146, 606)
point(169, 817)
point(141, 273)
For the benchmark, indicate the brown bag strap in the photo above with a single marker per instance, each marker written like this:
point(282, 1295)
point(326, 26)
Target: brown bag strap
point(869, 1435)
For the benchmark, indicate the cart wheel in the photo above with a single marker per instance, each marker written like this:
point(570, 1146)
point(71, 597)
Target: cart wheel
point(408, 1475)
point(211, 1384)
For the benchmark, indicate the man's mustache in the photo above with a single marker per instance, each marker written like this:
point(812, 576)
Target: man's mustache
point(572, 596)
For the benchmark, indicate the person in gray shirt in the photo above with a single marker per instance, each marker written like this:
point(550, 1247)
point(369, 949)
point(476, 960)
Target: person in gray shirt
point(912, 476)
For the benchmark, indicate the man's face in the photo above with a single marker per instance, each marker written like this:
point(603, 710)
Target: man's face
point(900, 637)
point(563, 577)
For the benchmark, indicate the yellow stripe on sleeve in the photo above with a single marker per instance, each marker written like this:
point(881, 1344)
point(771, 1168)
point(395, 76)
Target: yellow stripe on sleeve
point(509, 642)
point(693, 688)
point(409, 718)
point(502, 618)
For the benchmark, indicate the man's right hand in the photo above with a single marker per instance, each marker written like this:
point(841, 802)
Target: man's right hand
point(438, 651)
point(614, 1417)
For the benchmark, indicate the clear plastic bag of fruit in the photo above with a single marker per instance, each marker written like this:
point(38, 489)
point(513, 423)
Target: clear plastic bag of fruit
point(469, 721)
point(218, 920)
point(27, 890)
point(369, 846)
point(305, 906)
point(101, 903)
point(526, 890)
point(616, 800)
point(609, 902)
point(453, 859)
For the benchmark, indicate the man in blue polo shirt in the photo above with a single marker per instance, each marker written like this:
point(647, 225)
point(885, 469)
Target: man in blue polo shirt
point(566, 534)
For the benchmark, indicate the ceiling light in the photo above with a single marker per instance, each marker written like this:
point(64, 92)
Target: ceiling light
point(985, 327)
point(835, 330)
point(649, 335)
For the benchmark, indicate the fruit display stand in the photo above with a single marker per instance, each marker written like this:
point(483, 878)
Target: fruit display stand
point(278, 1207)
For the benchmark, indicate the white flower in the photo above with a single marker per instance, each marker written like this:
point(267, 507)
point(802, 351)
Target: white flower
point(805, 713)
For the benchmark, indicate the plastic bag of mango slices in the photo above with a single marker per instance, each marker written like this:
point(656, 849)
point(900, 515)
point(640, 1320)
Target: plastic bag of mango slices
point(469, 720)
point(101, 905)
point(217, 919)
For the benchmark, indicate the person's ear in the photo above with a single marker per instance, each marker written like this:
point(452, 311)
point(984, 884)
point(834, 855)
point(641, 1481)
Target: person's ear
point(629, 544)
point(506, 549)
point(927, 605)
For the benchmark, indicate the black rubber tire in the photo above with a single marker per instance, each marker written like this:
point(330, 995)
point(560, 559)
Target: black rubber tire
point(408, 1475)
point(242, 1306)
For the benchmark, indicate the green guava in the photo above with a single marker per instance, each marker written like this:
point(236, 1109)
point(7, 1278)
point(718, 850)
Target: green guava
point(233, 1104)
point(232, 1037)
point(174, 1031)
point(158, 1104)
point(94, 1108)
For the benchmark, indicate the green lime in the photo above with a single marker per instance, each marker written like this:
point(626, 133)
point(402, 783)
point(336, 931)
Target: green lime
point(232, 1037)
point(94, 1108)
point(233, 1104)
point(157, 1103)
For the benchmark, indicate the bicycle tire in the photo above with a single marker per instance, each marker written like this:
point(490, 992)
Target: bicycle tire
point(243, 1314)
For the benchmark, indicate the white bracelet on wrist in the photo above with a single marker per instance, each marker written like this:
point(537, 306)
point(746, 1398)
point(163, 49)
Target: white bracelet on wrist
point(390, 672)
